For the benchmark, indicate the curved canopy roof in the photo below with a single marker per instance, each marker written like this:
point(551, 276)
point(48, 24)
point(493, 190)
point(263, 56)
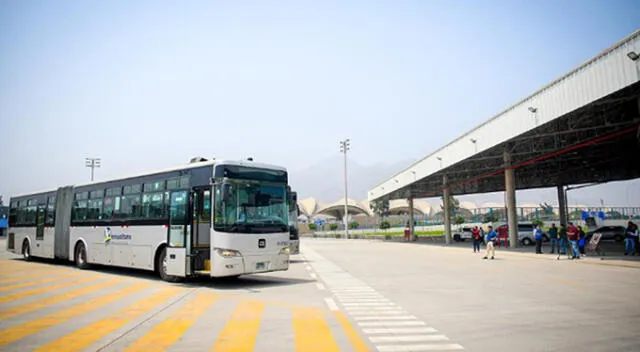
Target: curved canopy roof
point(337, 209)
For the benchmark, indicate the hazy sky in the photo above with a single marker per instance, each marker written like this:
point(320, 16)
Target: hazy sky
point(149, 84)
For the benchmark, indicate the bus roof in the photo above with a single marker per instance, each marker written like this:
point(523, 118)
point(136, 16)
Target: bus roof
point(193, 165)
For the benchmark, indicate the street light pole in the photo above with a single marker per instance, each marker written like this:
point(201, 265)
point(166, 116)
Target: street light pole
point(92, 163)
point(344, 147)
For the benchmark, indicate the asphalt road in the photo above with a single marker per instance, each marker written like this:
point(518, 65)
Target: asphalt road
point(340, 295)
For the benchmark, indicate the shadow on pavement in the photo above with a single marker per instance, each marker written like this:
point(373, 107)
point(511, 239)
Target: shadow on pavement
point(246, 282)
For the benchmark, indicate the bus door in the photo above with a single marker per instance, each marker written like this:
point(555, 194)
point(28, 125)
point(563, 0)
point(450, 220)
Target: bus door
point(40, 217)
point(179, 234)
point(201, 227)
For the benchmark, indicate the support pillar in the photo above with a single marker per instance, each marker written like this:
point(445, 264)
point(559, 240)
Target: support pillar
point(510, 192)
point(447, 211)
point(412, 236)
point(562, 204)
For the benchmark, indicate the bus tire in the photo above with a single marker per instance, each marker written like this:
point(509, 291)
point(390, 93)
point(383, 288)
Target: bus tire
point(80, 256)
point(26, 250)
point(162, 267)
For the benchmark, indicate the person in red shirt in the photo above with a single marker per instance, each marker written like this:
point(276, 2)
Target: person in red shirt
point(572, 236)
point(475, 235)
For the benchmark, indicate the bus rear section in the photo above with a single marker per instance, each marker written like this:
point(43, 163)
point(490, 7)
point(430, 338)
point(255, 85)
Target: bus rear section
point(294, 212)
point(240, 224)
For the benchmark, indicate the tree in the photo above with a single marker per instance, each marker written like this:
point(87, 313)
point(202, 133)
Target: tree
point(380, 207)
point(459, 220)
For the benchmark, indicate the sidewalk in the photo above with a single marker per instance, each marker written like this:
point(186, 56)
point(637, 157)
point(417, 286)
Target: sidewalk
point(613, 252)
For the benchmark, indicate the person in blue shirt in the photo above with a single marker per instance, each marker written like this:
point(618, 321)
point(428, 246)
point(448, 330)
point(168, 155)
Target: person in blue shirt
point(492, 237)
point(537, 234)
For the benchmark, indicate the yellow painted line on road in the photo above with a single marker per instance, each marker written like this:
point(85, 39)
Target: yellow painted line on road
point(84, 337)
point(37, 282)
point(29, 307)
point(35, 291)
point(241, 330)
point(312, 333)
point(33, 275)
point(23, 330)
point(166, 333)
point(356, 341)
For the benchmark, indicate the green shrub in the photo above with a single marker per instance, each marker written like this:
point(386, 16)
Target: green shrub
point(313, 227)
point(333, 227)
point(384, 224)
point(354, 225)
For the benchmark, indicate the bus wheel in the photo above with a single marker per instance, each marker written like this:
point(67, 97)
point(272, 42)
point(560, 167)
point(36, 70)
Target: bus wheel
point(162, 267)
point(81, 256)
point(26, 250)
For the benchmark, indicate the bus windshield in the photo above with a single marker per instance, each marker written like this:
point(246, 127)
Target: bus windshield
point(251, 207)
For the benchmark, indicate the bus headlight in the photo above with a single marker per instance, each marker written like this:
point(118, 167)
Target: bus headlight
point(227, 253)
point(285, 250)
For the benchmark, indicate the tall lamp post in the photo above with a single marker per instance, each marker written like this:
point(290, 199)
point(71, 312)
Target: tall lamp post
point(92, 163)
point(344, 147)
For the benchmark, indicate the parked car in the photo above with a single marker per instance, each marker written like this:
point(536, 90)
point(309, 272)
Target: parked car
point(462, 234)
point(615, 233)
point(525, 233)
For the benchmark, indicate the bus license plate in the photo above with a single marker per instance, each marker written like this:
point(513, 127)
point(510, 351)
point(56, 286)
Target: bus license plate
point(260, 266)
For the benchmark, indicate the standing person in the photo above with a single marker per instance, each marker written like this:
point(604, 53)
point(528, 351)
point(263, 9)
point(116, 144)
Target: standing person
point(562, 236)
point(492, 236)
point(553, 234)
point(630, 241)
point(581, 240)
point(537, 234)
point(572, 235)
point(475, 235)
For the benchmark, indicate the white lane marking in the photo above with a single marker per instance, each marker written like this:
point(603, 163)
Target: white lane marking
point(399, 330)
point(393, 323)
point(332, 304)
point(378, 317)
point(352, 290)
point(368, 304)
point(408, 338)
point(363, 300)
point(308, 267)
point(320, 286)
point(412, 348)
point(372, 309)
point(381, 313)
point(313, 275)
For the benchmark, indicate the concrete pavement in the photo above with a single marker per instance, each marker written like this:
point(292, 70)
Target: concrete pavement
point(434, 295)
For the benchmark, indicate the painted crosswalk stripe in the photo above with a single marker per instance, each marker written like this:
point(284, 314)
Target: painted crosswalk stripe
point(166, 333)
point(369, 312)
point(412, 348)
point(368, 304)
point(25, 277)
point(312, 333)
point(37, 282)
point(20, 331)
point(363, 300)
point(356, 341)
point(377, 317)
point(399, 330)
point(35, 291)
point(393, 323)
point(242, 328)
point(49, 301)
point(85, 336)
point(371, 309)
point(331, 303)
point(408, 338)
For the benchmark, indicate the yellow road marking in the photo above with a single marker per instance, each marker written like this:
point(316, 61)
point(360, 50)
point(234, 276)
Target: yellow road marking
point(165, 334)
point(242, 328)
point(35, 291)
point(356, 341)
point(29, 307)
point(23, 277)
point(37, 282)
point(312, 333)
point(84, 337)
point(23, 330)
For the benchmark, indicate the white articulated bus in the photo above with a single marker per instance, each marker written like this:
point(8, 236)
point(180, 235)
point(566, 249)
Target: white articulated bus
point(294, 212)
point(214, 218)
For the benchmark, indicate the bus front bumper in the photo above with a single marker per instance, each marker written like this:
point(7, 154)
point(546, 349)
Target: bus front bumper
point(249, 265)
